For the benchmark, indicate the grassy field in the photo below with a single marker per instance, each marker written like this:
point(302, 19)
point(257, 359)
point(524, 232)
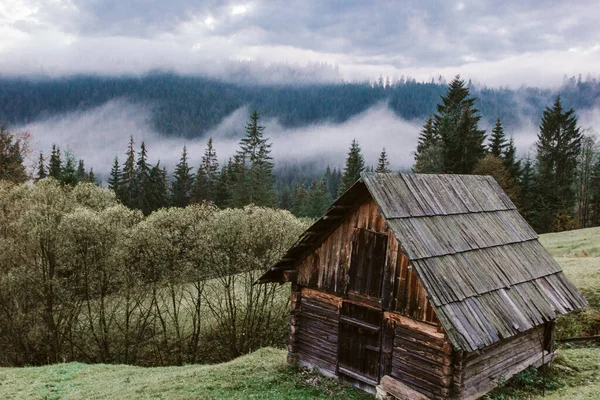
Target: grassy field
point(264, 374)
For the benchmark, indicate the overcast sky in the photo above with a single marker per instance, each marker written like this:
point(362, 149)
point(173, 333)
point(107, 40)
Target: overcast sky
point(495, 42)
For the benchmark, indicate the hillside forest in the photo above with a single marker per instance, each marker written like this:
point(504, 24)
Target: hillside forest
point(158, 267)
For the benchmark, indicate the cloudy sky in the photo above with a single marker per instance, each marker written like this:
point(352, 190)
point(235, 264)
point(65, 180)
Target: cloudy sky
point(496, 42)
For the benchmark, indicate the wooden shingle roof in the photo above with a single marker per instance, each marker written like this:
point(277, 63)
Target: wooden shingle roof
point(486, 274)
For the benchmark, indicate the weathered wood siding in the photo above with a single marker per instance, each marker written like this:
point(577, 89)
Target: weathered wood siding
point(479, 372)
point(315, 330)
point(327, 268)
point(421, 357)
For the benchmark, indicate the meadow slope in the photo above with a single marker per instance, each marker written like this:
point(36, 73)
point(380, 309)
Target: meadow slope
point(264, 374)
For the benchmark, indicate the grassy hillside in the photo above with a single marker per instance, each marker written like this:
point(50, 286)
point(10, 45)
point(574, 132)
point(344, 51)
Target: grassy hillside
point(264, 374)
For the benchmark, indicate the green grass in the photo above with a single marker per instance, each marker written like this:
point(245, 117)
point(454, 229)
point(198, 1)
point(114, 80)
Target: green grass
point(260, 375)
point(264, 374)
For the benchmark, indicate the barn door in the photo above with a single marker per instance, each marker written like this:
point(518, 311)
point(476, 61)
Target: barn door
point(367, 263)
point(360, 342)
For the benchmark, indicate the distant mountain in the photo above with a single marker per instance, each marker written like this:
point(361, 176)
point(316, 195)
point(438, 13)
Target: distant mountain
point(189, 106)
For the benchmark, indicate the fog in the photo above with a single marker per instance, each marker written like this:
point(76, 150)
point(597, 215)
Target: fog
point(100, 134)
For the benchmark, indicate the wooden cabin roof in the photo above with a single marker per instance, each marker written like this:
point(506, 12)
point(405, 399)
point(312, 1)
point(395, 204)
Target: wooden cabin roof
point(486, 274)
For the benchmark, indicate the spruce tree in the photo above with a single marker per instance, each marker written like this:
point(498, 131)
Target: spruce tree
point(159, 184)
point(90, 177)
point(558, 145)
point(182, 182)
point(12, 166)
point(253, 168)
point(456, 123)
point(595, 194)
point(69, 174)
point(142, 185)
point(41, 168)
point(207, 176)
point(318, 201)
point(127, 179)
point(383, 165)
point(55, 164)
point(527, 198)
point(114, 179)
point(427, 138)
point(511, 163)
point(355, 164)
point(498, 142)
point(222, 196)
point(300, 203)
point(80, 171)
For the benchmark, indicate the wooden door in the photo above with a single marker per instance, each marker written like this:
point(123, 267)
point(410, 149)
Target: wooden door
point(360, 342)
point(369, 250)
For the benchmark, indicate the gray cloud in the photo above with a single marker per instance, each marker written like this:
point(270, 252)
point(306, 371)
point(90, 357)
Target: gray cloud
point(497, 42)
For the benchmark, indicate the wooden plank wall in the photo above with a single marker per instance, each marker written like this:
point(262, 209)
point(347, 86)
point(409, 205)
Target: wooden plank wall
point(421, 357)
point(327, 267)
point(479, 372)
point(315, 330)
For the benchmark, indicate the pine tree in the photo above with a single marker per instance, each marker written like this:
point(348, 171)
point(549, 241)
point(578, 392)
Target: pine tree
point(80, 171)
point(41, 168)
point(142, 185)
point(127, 178)
point(222, 196)
point(318, 200)
point(595, 194)
point(207, 176)
point(69, 174)
point(55, 165)
point(253, 180)
point(160, 190)
point(91, 177)
point(114, 179)
point(427, 138)
point(511, 163)
point(527, 199)
point(498, 141)
point(558, 145)
point(456, 123)
point(383, 165)
point(300, 203)
point(355, 164)
point(182, 182)
point(12, 166)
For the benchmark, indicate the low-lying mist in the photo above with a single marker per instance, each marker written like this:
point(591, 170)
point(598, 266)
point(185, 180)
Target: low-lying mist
point(100, 134)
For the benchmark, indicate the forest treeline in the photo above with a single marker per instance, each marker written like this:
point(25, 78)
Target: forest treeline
point(85, 278)
point(190, 106)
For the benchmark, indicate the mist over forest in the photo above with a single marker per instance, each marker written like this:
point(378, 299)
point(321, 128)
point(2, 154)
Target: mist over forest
point(310, 124)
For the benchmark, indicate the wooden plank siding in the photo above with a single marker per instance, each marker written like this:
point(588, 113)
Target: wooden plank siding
point(422, 357)
point(316, 331)
point(327, 268)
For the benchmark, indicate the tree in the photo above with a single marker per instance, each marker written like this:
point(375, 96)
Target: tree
point(595, 194)
point(355, 164)
point(182, 182)
point(127, 179)
point(583, 179)
point(253, 179)
point(383, 165)
point(527, 199)
point(68, 174)
point(456, 123)
point(300, 202)
point(494, 166)
point(511, 163)
point(427, 138)
point(205, 182)
point(160, 188)
point(498, 142)
point(114, 179)
point(12, 167)
point(318, 200)
point(558, 145)
point(41, 168)
point(431, 161)
point(142, 184)
point(55, 165)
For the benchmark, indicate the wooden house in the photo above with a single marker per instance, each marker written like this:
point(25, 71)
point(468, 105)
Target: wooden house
point(423, 286)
